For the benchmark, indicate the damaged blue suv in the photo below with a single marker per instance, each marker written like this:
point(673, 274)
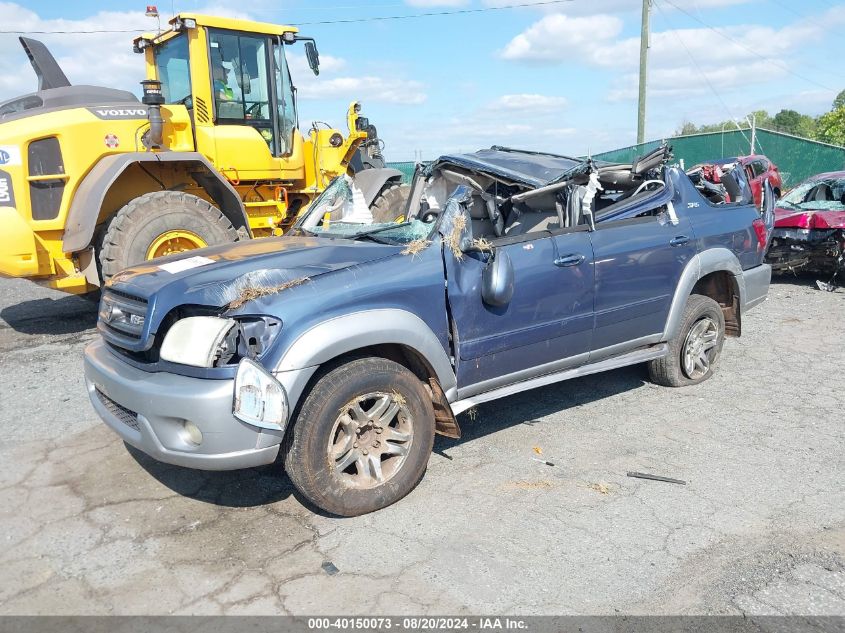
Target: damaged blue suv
point(344, 346)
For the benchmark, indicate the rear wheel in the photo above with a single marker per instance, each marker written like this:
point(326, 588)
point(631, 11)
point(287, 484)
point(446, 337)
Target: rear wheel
point(389, 204)
point(362, 439)
point(159, 224)
point(695, 350)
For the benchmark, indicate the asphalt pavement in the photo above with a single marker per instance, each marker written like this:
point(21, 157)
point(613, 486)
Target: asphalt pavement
point(91, 527)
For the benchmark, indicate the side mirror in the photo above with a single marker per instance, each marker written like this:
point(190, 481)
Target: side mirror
point(313, 57)
point(497, 279)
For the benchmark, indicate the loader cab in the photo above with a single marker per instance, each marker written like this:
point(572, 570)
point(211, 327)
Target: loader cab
point(234, 80)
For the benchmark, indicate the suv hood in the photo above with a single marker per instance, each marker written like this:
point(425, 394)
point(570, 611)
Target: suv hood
point(219, 269)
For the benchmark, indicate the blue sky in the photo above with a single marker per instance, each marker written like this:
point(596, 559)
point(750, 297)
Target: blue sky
point(558, 77)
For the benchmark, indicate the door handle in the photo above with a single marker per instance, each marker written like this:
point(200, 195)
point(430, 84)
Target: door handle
point(572, 259)
point(680, 240)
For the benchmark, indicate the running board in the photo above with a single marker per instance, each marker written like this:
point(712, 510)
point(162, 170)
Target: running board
point(631, 358)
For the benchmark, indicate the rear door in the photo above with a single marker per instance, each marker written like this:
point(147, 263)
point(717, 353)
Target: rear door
point(639, 259)
point(548, 321)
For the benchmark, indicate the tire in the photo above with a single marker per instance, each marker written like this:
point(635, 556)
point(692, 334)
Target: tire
point(134, 229)
point(704, 314)
point(389, 204)
point(325, 418)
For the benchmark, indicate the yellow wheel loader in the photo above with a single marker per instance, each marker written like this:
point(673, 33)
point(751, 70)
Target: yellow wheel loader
point(93, 180)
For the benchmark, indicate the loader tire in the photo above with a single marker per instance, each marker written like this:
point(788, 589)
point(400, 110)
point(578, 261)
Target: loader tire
point(140, 230)
point(389, 204)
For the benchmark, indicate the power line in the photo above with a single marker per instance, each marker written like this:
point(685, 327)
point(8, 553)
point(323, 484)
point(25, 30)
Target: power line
point(434, 13)
point(788, 8)
point(701, 72)
point(138, 30)
point(378, 18)
point(750, 50)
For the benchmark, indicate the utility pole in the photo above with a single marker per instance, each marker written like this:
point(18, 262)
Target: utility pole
point(644, 36)
point(753, 132)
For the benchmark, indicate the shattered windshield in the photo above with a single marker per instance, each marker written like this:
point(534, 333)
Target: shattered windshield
point(341, 211)
point(825, 193)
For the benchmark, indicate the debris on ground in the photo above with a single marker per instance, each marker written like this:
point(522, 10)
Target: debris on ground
point(250, 293)
point(657, 478)
point(416, 247)
point(600, 488)
point(472, 413)
point(329, 568)
point(527, 485)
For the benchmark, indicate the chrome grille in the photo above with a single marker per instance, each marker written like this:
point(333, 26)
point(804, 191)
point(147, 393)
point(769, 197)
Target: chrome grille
point(123, 313)
point(127, 416)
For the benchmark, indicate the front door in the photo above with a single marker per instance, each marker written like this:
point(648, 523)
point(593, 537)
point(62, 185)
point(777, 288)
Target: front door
point(548, 321)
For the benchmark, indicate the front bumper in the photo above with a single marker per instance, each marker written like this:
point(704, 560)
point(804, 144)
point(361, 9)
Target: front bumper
point(817, 250)
point(149, 411)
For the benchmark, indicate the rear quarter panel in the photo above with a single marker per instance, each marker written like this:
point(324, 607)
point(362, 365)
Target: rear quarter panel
point(721, 226)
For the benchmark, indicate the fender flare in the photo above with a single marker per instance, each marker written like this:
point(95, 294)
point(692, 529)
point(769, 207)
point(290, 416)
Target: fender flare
point(91, 192)
point(372, 181)
point(343, 334)
point(710, 261)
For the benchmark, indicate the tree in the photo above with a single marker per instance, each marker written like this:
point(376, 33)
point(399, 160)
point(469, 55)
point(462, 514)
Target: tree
point(831, 126)
point(686, 128)
point(839, 101)
point(793, 122)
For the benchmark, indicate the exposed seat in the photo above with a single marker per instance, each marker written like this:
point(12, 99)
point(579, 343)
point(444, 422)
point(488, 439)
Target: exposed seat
point(532, 222)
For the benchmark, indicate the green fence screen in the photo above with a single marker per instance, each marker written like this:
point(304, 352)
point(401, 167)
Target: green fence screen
point(407, 169)
point(797, 158)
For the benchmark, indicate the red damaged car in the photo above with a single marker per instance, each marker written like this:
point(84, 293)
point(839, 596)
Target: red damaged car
point(809, 231)
point(758, 169)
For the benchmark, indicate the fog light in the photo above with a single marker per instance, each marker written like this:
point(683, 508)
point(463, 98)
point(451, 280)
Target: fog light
point(192, 433)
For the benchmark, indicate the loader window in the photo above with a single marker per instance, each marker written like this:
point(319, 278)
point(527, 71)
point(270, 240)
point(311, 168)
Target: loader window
point(241, 81)
point(285, 105)
point(173, 70)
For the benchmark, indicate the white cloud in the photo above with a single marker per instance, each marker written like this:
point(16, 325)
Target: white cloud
point(106, 59)
point(367, 88)
point(677, 57)
point(533, 103)
point(678, 82)
point(558, 37)
point(103, 59)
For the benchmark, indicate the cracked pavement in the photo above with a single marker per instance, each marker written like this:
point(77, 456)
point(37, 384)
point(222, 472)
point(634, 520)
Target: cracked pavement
point(88, 526)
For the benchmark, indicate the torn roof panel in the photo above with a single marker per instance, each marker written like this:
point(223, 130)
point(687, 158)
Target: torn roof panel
point(531, 168)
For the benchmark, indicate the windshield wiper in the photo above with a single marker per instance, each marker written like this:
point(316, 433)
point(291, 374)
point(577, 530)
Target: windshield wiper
point(372, 232)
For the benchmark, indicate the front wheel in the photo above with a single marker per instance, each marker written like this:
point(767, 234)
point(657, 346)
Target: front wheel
point(695, 349)
point(363, 437)
point(158, 224)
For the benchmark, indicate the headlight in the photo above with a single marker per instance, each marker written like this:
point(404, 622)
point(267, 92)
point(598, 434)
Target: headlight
point(259, 398)
point(195, 340)
point(210, 341)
